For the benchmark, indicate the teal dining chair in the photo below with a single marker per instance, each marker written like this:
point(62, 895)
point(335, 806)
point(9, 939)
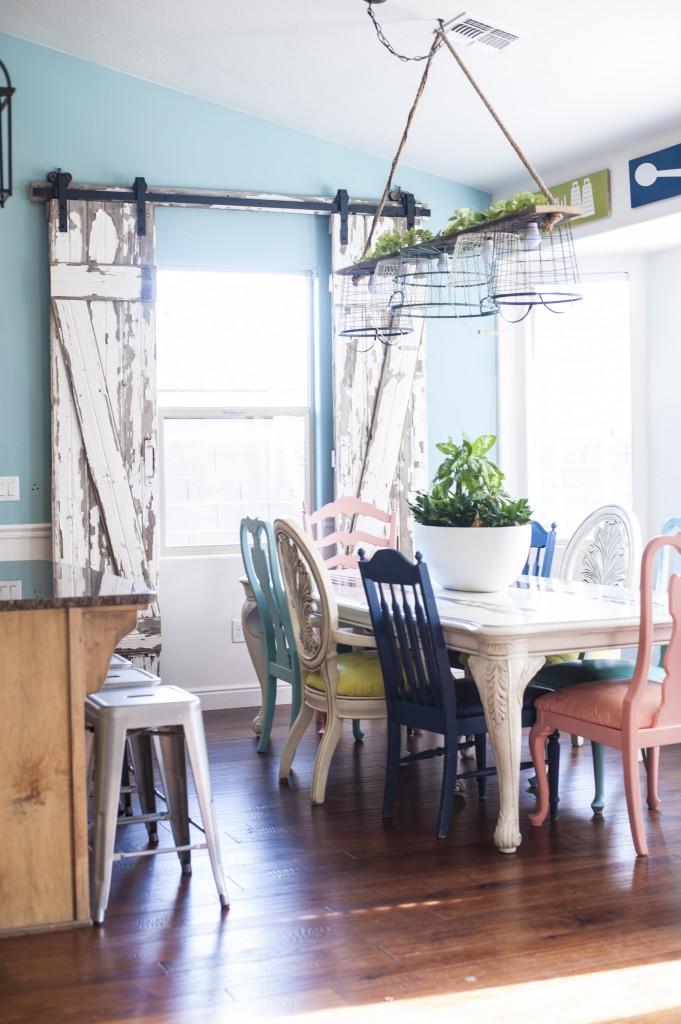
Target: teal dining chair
point(259, 554)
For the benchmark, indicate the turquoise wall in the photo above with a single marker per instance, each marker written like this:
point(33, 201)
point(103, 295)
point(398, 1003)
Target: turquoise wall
point(108, 128)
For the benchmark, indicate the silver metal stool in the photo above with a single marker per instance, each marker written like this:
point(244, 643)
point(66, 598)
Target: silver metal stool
point(139, 764)
point(173, 717)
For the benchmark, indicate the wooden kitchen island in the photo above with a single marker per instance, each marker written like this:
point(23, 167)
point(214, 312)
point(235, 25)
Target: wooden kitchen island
point(59, 626)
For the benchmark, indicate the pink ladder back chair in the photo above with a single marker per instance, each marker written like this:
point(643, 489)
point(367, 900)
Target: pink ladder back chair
point(355, 524)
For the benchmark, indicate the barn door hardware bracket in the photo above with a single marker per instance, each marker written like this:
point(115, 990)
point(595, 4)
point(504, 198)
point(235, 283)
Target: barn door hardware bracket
point(61, 181)
point(140, 190)
point(398, 198)
point(409, 208)
point(343, 202)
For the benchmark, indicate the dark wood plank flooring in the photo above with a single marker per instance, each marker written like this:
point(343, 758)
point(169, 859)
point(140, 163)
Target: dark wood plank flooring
point(338, 914)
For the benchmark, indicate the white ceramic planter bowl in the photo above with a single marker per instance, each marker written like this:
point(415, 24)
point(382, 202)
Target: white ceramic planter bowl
point(479, 560)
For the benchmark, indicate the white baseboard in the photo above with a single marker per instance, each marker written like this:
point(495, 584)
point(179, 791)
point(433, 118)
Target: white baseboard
point(221, 700)
point(24, 542)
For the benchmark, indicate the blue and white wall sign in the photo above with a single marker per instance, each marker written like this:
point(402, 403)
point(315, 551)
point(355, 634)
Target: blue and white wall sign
point(655, 176)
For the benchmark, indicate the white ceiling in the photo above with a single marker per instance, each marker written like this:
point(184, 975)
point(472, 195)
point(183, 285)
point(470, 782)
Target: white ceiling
point(586, 77)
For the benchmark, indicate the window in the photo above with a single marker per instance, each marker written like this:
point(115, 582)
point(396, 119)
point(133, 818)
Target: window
point(233, 383)
point(567, 428)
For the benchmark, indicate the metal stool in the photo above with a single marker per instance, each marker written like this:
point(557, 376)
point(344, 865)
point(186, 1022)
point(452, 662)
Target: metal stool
point(173, 716)
point(122, 674)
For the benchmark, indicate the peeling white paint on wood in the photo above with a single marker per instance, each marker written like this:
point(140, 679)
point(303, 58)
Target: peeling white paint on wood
point(379, 401)
point(104, 399)
point(93, 281)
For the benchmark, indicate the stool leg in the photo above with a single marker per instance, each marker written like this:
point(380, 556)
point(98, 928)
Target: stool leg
point(140, 751)
point(109, 754)
point(198, 758)
point(174, 775)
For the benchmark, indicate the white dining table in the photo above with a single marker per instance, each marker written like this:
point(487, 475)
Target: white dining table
point(508, 636)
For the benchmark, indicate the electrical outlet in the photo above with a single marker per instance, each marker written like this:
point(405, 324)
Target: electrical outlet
point(10, 590)
point(238, 632)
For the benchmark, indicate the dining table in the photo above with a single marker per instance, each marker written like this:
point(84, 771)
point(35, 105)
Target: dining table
point(507, 636)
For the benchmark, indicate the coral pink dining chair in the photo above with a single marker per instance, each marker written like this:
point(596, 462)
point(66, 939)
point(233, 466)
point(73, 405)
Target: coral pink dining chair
point(353, 523)
point(628, 714)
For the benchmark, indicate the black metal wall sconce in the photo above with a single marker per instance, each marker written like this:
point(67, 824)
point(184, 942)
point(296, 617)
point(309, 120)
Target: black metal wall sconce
point(6, 92)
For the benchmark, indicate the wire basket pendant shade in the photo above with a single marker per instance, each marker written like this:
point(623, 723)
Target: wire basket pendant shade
point(443, 281)
point(530, 265)
point(365, 306)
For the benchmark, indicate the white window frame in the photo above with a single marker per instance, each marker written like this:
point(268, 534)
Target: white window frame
point(513, 353)
point(306, 413)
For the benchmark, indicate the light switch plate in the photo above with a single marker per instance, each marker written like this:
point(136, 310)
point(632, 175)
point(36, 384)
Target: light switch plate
point(9, 488)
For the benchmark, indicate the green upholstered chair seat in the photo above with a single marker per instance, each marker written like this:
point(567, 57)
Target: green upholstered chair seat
point(359, 675)
point(567, 673)
point(606, 709)
point(555, 659)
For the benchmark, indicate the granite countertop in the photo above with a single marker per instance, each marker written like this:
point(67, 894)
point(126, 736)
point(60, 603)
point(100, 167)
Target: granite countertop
point(38, 584)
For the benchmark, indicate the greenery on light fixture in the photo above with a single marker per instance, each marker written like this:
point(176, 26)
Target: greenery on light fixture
point(467, 218)
point(393, 241)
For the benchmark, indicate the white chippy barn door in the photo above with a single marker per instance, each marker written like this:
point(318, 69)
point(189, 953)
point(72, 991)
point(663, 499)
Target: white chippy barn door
point(379, 400)
point(103, 391)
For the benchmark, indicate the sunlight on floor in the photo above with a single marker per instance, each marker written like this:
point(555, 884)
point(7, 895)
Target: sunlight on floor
point(577, 999)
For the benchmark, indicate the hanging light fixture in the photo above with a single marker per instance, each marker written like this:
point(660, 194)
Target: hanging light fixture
point(6, 92)
point(504, 266)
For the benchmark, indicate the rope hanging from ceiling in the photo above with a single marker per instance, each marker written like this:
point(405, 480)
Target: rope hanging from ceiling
point(477, 272)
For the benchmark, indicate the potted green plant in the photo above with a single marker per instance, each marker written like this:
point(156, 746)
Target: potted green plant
point(471, 532)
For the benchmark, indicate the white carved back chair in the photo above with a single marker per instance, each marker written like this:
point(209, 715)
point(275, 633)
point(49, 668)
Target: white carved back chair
point(340, 683)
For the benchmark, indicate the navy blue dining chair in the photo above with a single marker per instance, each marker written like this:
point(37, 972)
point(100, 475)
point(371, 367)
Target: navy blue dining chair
point(420, 691)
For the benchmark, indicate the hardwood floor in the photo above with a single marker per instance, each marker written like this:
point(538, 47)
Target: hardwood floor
point(335, 910)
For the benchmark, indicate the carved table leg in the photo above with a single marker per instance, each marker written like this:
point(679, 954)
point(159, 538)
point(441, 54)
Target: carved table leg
point(501, 680)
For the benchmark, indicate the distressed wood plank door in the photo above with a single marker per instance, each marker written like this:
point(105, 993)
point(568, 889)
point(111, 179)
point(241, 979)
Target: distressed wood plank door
point(103, 391)
point(379, 401)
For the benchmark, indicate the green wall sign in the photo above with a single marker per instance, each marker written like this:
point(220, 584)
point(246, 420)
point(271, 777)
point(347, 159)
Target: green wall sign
point(591, 193)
